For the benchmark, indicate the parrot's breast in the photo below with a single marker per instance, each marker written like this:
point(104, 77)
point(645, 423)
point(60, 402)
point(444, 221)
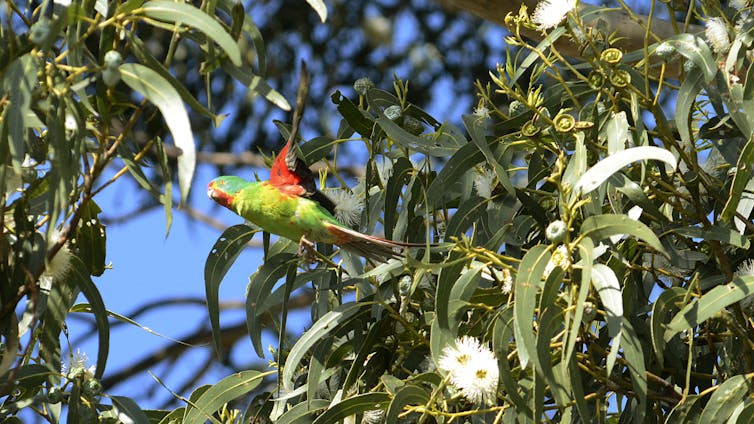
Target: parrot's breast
point(282, 213)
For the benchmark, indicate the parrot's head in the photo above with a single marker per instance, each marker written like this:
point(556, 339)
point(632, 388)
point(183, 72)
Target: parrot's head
point(224, 189)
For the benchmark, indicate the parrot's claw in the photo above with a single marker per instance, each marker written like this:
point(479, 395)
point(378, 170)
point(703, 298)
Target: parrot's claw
point(306, 250)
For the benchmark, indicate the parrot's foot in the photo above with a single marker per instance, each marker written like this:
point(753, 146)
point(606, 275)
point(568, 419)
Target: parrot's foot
point(306, 250)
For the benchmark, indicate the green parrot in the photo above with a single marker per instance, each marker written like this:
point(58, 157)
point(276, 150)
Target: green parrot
point(290, 205)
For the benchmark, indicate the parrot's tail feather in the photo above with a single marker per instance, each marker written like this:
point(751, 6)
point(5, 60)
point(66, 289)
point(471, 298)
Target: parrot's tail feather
point(371, 247)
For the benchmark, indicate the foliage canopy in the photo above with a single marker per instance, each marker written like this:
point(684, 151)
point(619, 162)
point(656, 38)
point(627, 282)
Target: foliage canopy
point(596, 214)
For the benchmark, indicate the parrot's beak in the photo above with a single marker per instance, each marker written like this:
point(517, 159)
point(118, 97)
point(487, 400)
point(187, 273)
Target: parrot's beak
point(218, 194)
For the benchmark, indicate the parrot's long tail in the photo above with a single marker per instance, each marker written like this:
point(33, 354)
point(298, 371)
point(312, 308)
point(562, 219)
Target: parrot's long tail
point(371, 247)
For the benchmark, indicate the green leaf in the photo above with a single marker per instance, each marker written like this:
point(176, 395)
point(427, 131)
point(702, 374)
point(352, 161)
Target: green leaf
point(18, 84)
point(634, 354)
point(303, 413)
point(728, 396)
point(475, 126)
point(90, 239)
point(354, 405)
point(159, 91)
point(617, 132)
point(716, 232)
point(402, 170)
point(710, 304)
point(81, 277)
point(602, 170)
point(502, 332)
point(333, 320)
point(222, 256)
point(222, 392)
point(405, 396)
point(145, 57)
point(661, 310)
point(740, 180)
point(462, 161)
point(528, 282)
point(695, 48)
point(257, 84)
point(608, 289)
point(688, 411)
point(320, 8)
point(691, 86)
point(260, 288)
point(468, 213)
point(183, 13)
point(586, 249)
point(126, 406)
point(600, 227)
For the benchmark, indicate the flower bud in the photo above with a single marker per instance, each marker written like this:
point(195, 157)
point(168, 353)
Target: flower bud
point(113, 59)
point(111, 77)
point(393, 112)
point(556, 231)
point(362, 85)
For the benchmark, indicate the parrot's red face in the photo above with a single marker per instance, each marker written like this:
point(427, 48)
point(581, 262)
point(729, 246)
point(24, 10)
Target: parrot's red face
point(221, 191)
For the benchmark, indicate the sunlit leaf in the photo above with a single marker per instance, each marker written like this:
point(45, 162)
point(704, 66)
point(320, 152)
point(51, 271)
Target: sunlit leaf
point(157, 90)
point(222, 392)
point(528, 282)
point(728, 396)
point(608, 289)
point(599, 173)
point(320, 8)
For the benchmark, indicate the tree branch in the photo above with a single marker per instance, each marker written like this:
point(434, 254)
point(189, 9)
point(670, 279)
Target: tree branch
point(631, 30)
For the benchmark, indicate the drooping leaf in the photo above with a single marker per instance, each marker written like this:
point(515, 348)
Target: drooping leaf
point(608, 289)
point(528, 282)
point(634, 353)
point(260, 288)
point(80, 276)
point(161, 93)
point(222, 256)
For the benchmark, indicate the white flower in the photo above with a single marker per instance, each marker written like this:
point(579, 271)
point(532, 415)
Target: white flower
point(746, 269)
point(507, 281)
point(482, 112)
point(77, 364)
point(560, 258)
point(549, 13)
point(717, 35)
point(484, 182)
point(348, 205)
point(60, 264)
point(372, 417)
point(738, 4)
point(472, 369)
